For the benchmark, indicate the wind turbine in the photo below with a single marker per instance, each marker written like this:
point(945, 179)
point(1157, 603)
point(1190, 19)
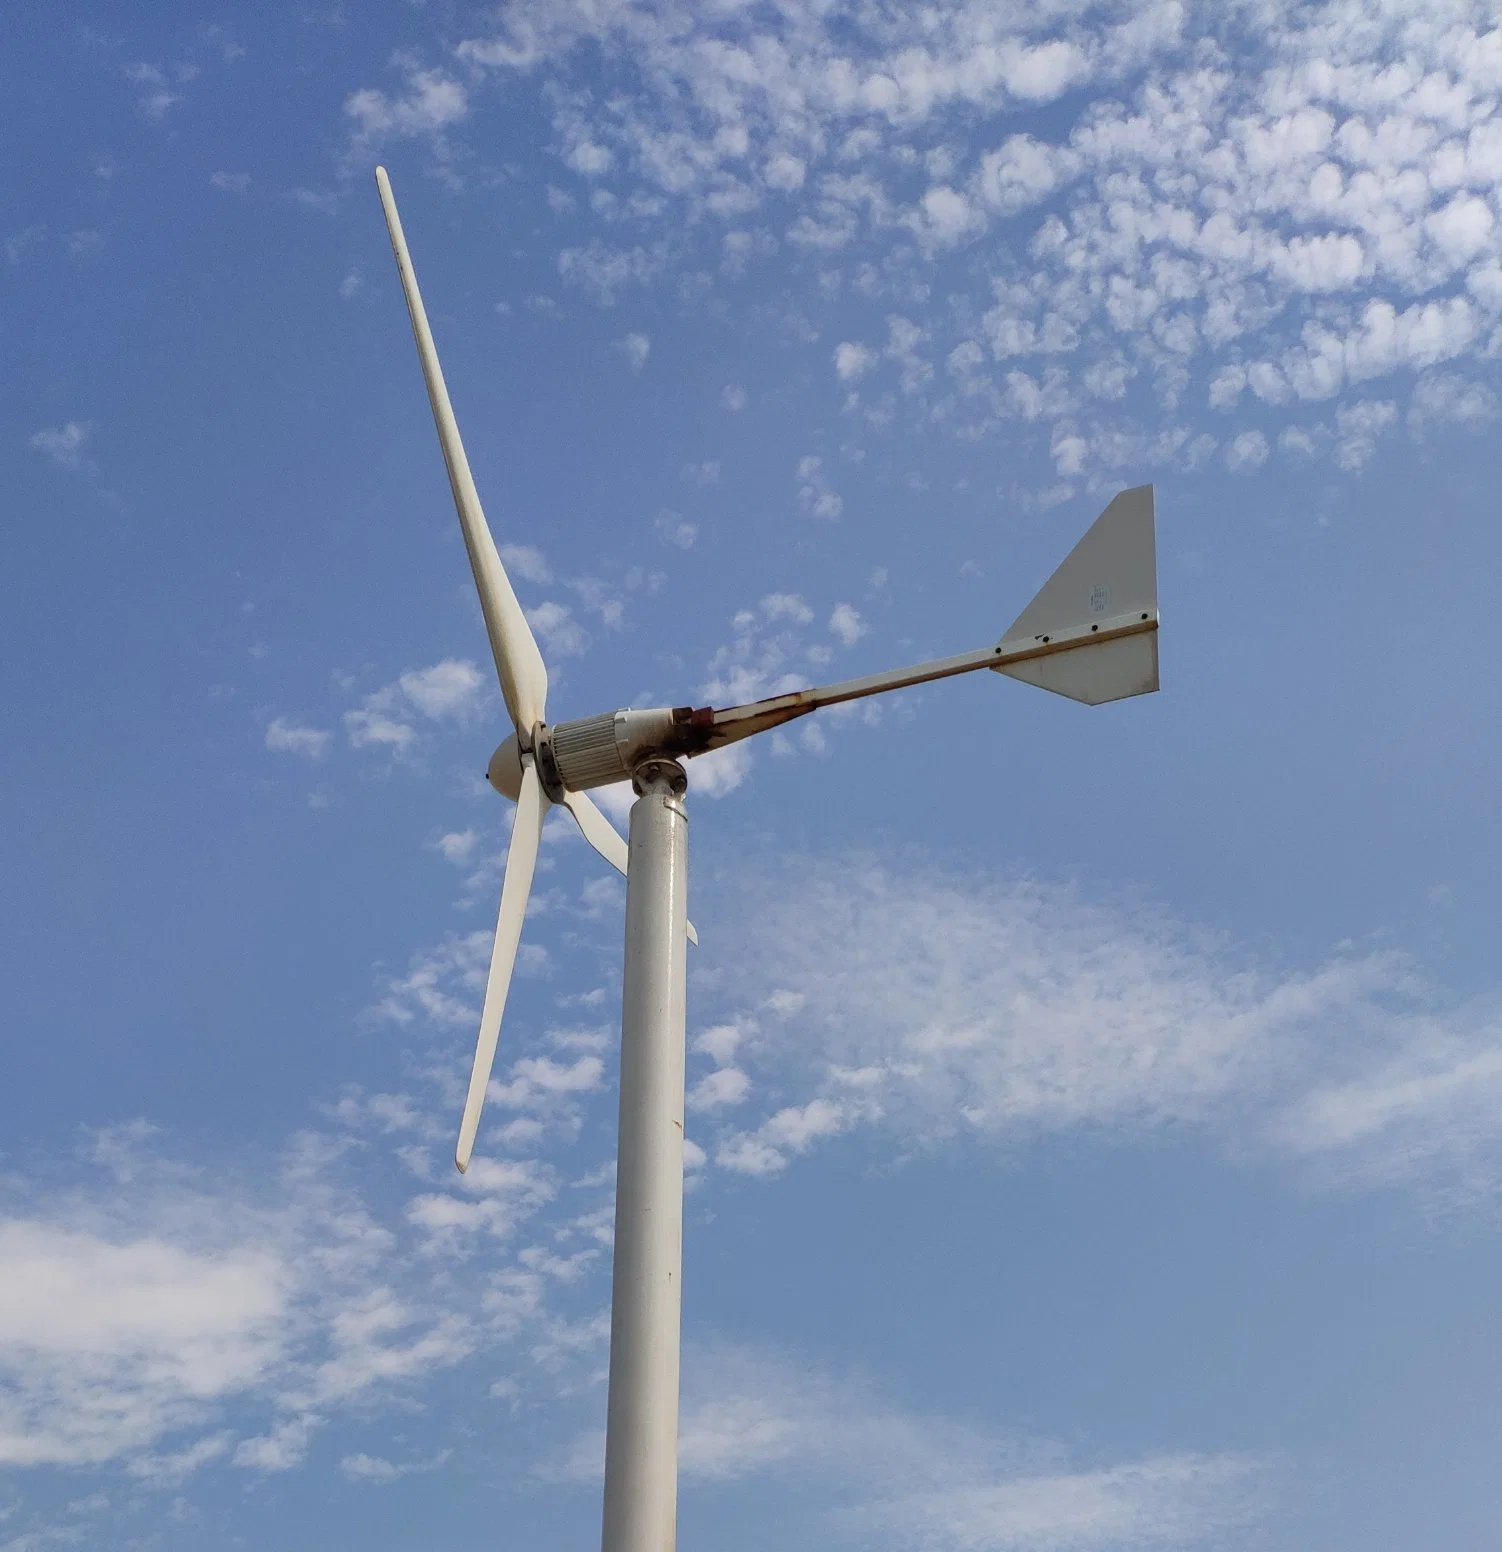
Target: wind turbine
point(1090, 634)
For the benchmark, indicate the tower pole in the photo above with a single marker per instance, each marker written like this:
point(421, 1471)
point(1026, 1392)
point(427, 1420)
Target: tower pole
point(641, 1431)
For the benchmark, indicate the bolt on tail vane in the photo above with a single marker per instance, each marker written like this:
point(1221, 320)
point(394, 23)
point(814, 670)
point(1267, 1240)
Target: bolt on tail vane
point(1089, 634)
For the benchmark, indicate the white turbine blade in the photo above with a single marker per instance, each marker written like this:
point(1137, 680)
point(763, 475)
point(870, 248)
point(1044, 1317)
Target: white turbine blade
point(597, 829)
point(1097, 614)
point(524, 678)
point(521, 860)
point(602, 835)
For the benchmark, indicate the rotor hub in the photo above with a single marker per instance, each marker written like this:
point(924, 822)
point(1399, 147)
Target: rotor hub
point(504, 772)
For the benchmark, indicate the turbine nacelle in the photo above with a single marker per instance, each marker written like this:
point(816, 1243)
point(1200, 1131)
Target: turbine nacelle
point(599, 751)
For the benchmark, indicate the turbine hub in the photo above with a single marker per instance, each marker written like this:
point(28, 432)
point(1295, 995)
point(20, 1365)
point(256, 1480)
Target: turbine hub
point(505, 770)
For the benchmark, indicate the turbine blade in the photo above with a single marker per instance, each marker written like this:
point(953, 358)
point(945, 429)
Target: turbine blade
point(521, 860)
point(518, 662)
point(602, 835)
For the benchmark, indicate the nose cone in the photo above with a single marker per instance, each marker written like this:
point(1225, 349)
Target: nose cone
point(505, 772)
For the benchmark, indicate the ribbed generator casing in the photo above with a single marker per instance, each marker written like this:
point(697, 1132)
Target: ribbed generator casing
point(588, 753)
point(596, 751)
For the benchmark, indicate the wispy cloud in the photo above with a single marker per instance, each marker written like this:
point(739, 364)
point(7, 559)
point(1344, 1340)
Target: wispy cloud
point(144, 1306)
point(156, 97)
point(636, 348)
point(65, 444)
point(938, 1007)
point(452, 690)
point(888, 1478)
point(426, 105)
point(293, 738)
point(165, 1324)
point(674, 529)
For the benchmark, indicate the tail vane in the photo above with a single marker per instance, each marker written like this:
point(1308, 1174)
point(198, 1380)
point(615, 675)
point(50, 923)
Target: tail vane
point(1090, 633)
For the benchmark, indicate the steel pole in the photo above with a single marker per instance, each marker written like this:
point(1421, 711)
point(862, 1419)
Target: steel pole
point(641, 1429)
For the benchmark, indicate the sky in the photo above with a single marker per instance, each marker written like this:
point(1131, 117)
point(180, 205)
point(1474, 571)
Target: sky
point(1093, 1112)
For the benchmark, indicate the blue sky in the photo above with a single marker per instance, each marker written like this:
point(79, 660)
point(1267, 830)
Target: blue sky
point(1094, 1111)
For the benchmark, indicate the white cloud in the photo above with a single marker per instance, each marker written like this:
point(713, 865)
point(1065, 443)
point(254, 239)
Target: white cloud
point(1442, 399)
point(846, 623)
point(716, 1090)
point(719, 772)
point(675, 530)
point(944, 217)
point(527, 562)
point(370, 727)
point(590, 159)
point(939, 1007)
point(21, 243)
point(771, 653)
point(733, 397)
point(561, 633)
point(361, 1467)
point(429, 103)
point(1247, 452)
point(635, 348)
point(892, 1478)
point(452, 690)
point(369, 1468)
point(605, 272)
point(785, 172)
point(284, 1447)
point(292, 738)
point(790, 1131)
point(767, 655)
point(106, 1344)
point(457, 846)
point(1166, 1501)
point(814, 493)
point(1226, 386)
point(156, 96)
point(853, 361)
point(146, 1302)
point(437, 981)
point(1462, 228)
point(1358, 427)
point(64, 445)
point(721, 1041)
point(538, 1079)
point(1430, 1110)
point(786, 606)
point(1022, 172)
point(1322, 204)
point(447, 689)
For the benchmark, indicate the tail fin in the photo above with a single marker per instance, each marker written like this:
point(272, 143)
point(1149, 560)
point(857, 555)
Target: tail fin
point(1097, 614)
